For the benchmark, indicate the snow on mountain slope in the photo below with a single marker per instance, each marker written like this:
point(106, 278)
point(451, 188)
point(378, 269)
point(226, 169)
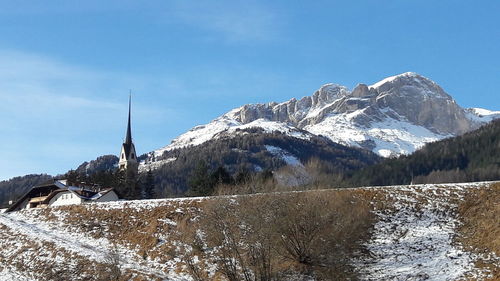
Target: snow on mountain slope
point(482, 115)
point(392, 78)
point(387, 137)
point(285, 155)
point(225, 125)
point(396, 115)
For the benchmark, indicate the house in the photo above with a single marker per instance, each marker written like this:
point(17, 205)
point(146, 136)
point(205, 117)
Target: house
point(61, 193)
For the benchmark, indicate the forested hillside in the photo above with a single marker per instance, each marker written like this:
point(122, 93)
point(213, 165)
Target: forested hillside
point(474, 156)
point(233, 159)
point(252, 152)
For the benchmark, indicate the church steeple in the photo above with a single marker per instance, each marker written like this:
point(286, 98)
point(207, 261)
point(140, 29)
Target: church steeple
point(128, 156)
point(128, 138)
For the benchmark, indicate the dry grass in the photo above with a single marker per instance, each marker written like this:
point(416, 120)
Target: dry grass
point(168, 230)
point(42, 260)
point(480, 231)
point(164, 231)
point(146, 231)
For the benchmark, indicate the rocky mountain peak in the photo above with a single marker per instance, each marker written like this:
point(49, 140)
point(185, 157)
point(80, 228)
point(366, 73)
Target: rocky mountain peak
point(396, 115)
point(327, 94)
point(362, 90)
point(422, 102)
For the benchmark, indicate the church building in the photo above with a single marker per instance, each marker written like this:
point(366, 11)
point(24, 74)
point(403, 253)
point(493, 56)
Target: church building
point(128, 156)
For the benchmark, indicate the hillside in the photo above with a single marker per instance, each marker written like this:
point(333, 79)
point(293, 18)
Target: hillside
point(251, 151)
point(470, 157)
point(420, 232)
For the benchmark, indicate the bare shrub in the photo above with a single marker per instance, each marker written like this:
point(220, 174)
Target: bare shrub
point(322, 175)
point(269, 236)
point(318, 231)
point(253, 184)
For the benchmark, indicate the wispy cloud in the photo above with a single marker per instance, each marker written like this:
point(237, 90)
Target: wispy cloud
point(235, 20)
point(35, 88)
point(55, 115)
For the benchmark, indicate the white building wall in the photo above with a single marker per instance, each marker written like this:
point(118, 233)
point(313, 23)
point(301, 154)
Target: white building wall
point(110, 196)
point(65, 198)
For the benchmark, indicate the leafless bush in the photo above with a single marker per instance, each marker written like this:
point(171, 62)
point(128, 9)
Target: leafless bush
point(319, 230)
point(268, 236)
point(321, 175)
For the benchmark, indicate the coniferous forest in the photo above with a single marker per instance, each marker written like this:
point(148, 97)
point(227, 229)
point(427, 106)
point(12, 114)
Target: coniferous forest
point(474, 156)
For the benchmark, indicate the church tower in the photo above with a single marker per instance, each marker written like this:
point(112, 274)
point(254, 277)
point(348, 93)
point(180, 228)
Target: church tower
point(128, 156)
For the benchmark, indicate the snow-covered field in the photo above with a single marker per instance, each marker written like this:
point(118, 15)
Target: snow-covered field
point(413, 238)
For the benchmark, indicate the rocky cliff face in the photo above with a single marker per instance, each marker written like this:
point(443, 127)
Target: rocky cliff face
point(406, 97)
point(394, 116)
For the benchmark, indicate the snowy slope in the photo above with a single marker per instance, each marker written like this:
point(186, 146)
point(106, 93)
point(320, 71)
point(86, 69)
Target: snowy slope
point(385, 138)
point(228, 125)
point(413, 237)
point(394, 116)
point(414, 240)
point(482, 115)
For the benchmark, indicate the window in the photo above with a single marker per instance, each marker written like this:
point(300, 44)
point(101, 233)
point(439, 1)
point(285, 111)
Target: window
point(133, 156)
point(123, 156)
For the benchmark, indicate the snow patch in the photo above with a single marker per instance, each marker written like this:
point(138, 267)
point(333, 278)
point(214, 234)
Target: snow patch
point(392, 78)
point(385, 138)
point(226, 125)
point(414, 239)
point(285, 155)
point(482, 115)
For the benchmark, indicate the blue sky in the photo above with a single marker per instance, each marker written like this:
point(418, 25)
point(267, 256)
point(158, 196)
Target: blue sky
point(66, 66)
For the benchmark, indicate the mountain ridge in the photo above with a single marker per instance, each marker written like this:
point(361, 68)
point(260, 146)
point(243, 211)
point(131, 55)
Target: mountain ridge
point(394, 116)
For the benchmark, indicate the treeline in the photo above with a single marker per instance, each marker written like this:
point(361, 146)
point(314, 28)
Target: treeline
point(474, 156)
point(126, 184)
point(102, 163)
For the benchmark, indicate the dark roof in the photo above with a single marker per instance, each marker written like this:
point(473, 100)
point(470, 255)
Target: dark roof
point(44, 188)
point(128, 145)
point(127, 148)
point(54, 193)
point(82, 193)
point(128, 137)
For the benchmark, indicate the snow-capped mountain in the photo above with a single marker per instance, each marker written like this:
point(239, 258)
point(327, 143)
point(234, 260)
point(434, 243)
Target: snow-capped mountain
point(395, 116)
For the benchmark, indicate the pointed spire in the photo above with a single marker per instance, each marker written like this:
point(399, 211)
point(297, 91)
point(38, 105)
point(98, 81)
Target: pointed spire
point(128, 138)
